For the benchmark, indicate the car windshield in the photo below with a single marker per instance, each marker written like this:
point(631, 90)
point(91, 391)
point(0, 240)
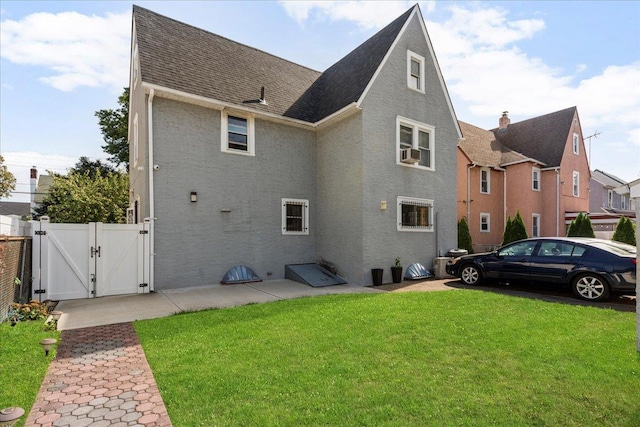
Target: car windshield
point(615, 247)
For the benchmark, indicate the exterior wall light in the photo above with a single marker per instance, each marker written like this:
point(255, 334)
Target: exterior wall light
point(194, 197)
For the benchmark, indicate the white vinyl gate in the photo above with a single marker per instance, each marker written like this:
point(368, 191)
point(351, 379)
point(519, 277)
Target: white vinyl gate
point(72, 261)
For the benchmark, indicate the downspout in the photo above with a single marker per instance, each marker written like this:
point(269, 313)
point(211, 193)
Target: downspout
point(557, 202)
point(504, 201)
point(152, 252)
point(471, 166)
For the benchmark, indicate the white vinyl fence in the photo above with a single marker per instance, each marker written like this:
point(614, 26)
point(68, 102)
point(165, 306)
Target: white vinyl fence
point(72, 261)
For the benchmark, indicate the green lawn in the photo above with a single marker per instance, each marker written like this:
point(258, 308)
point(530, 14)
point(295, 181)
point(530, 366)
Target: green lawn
point(405, 359)
point(22, 363)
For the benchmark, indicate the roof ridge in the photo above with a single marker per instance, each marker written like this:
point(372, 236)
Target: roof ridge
point(222, 37)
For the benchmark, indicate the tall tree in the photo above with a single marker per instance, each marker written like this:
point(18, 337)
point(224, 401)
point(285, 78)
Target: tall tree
point(464, 236)
point(114, 126)
point(92, 167)
point(7, 180)
point(80, 198)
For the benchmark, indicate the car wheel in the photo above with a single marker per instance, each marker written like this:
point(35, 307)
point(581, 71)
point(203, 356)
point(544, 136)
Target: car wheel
point(470, 274)
point(590, 287)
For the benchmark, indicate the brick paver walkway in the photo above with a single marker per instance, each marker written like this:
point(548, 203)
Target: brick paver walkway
point(100, 377)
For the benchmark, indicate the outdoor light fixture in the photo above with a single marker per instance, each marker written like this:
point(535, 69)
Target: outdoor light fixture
point(47, 344)
point(194, 197)
point(9, 416)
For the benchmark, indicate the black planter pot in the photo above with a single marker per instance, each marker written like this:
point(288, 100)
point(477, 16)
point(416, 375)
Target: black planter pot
point(396, 274)
point(376, 275)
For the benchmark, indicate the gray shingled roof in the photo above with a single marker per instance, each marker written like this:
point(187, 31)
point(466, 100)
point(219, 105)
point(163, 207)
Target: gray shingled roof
point(185, 58)
point(483, 149)
point(607, 179)
point(542, 138)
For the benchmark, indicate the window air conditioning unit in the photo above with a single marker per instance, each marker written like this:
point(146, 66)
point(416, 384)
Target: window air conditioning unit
point(409, 155)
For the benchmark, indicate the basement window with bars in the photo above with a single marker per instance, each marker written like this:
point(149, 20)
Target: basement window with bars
point(415, 214)
point(295, 216)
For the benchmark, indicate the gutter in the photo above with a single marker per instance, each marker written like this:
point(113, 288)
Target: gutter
point(152, 218)
point(557, 202)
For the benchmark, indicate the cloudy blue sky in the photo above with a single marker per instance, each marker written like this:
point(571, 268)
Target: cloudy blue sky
point(62, 61)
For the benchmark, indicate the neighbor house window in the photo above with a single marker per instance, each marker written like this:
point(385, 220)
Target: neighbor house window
point(485, 222)
point(623, 202)
point(415, 214)
point(135, 140)
point(535, 179)
point(135, 65)
point(485, 180)
point(237, 134)
point(295, 216)
point(417, 136)
point(576, 144)
point(610, 198)
point(576, 184)
point(535, 225)
point(415, 71)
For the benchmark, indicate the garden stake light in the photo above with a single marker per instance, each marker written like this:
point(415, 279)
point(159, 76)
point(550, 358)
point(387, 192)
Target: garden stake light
point(9, 416)
point(47, 344)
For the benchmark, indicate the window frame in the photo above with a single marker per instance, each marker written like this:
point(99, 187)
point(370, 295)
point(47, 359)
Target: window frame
point(412, 56)
point(488, 180)
point(534, 180)
point(224, 133)
point(488, 223)
point(305, 217)
point(416, 127)
point(535, 225)
point(576, 144)
point(609, 198)
point(623, 202)
point(575, 184)
point(414, 228)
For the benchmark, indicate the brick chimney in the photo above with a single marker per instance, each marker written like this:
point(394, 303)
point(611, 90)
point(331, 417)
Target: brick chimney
point(504, 120)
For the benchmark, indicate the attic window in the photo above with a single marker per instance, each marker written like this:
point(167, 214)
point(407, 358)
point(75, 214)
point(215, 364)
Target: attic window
point(237, 134)
point(576, 144)
point(415, 71)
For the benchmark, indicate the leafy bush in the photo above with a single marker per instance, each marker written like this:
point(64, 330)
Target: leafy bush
point(464, 236)
point(625, 231)
point(33, 310)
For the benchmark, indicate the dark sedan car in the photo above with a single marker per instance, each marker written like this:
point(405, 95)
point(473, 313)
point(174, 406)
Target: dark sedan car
point(594, 268)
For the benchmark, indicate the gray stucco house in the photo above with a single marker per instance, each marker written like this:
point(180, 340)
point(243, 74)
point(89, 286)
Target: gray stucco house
point(239, 157)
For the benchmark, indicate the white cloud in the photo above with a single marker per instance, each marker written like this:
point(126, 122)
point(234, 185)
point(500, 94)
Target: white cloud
point(366, 14)
point(81, 50)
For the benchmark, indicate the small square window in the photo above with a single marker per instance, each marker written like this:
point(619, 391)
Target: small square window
point(295, 216)
point(485, 223)
point(415, 214)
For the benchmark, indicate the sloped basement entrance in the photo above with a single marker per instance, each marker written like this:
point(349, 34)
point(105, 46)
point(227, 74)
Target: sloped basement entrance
point(312, 275)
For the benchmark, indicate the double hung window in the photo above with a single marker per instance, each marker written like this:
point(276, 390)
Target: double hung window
point(485, 223)
point(535, 179)
point(237, 134)
point(485, 180)
point(415, 71)
point(418, 136)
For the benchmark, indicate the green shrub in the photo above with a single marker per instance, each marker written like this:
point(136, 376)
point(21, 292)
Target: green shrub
point(581, 227)
point(625, 231)
point(464, 236)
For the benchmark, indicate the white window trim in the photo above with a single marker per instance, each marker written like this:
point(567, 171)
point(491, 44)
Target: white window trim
point(575, 187)
point(576, 143)
point(623, 202)
point(224, 134)
point(533, 174)
point(488, 216)
point(136, 148)
point(488, 171)
point(136, 66)
point(420, 59)
point(533, 219)
point(305, 217)
point(416, 126)
point(400, 200)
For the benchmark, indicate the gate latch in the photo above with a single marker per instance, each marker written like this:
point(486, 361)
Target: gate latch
point(95, 251)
